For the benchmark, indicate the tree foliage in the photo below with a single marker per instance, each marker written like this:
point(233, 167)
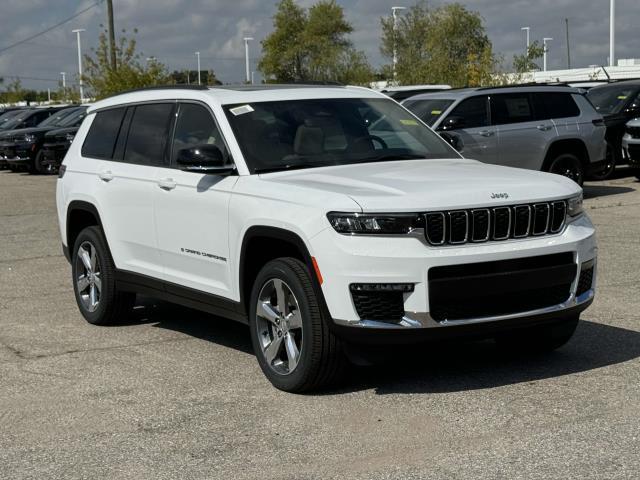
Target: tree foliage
point(441, 45)
point(131, 71)
point(312, 45)
point(527, 62)
point(183, 77)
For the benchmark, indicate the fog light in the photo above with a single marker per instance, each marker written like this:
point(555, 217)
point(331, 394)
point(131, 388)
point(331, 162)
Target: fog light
point(382, 287)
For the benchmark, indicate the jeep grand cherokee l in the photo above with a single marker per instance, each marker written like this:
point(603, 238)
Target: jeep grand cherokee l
point(284, 208)
point(553, 129)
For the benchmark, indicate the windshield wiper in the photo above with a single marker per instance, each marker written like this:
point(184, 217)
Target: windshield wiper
point(281, 168)
point(392, 156)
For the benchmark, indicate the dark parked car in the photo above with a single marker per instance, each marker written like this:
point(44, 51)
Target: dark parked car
point(617, 102)
point(21, 148)
point(7, 115)
point(56, 143)
point(29, 117)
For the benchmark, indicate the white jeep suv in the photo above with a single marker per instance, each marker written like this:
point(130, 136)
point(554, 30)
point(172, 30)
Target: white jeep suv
point(323, 217)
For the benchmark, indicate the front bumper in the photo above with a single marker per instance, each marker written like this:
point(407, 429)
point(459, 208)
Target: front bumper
point(345, 260)
point(15, 155)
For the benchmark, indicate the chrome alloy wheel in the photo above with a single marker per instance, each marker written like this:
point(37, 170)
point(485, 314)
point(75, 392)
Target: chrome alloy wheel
point(88, 277)
point(279, 325)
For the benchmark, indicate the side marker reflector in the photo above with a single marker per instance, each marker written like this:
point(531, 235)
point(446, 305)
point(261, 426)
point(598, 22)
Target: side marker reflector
point(317, 269)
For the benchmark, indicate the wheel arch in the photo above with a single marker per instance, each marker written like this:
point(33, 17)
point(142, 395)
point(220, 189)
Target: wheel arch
point(80, 215)
point(262, 244)
point(574, 146)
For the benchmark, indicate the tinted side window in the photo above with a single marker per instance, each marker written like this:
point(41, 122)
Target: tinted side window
point(511, 108)
point(555, 105)
point(102, 135)
point(473, 112)
point(148, 134)
point(195, 126)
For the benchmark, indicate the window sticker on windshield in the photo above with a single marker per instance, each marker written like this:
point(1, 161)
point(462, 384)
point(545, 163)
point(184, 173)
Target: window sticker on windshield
point(408, 122)
point(622, 97)
point(436, 112)
point(241, 110)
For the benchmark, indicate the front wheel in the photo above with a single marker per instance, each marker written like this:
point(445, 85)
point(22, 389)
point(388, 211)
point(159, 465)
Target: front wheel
point(568, 165)
point(94, 284)
point(293, 344)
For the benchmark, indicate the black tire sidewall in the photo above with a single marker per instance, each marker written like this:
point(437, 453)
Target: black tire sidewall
point(278, 269)
point(574, 159)
point(95, 238)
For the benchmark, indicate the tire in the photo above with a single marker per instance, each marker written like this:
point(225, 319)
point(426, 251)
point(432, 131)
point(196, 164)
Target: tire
point(37, 165)
point(94, 284)
point(539, 339)
point(568, 165)
point(277, 335)
point(610, 165)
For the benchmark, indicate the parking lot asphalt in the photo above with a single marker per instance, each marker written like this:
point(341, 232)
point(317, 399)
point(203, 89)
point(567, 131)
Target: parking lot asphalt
point(177, 394)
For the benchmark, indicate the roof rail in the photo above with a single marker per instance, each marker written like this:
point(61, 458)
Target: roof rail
point(163, 87)
point(527, 84)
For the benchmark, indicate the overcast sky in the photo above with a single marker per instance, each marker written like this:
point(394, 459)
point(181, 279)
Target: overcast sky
point(172, 30)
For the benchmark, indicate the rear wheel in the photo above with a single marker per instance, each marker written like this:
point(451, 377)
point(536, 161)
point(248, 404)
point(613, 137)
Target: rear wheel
point(609, 165)
point(94, 283)
point(568, 165)
point(541, 338)
point(37, 164)
point(293, 344)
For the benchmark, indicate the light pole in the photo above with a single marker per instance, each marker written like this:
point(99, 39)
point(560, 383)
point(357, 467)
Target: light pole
point(394, 13)
point(528, 29)
point(612, 33)
point(77, 32)
point(544, 50)
point(198, 56)
point(246, 58)
point(64, 80)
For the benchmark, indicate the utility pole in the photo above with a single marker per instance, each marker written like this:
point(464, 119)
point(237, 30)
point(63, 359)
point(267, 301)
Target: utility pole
point(528, 30)
point(566, 22)
point(246, 58)
point(198, 56)
point(545, 50)
point(394, 13)
point(77, 32)
point(64, 80)
point(612, 33)
point(112, 35)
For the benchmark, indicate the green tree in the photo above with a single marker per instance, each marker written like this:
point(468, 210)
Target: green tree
point(446, 44)
point(132, 71)
point(13, 92)
point(527, 62)
point(312, 45)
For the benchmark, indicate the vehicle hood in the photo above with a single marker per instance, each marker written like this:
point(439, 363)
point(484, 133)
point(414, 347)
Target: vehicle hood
point(420, 185)
point(37, 131)
point(60, 132)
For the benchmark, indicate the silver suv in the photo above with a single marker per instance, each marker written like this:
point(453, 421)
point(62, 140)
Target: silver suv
point(553, 129)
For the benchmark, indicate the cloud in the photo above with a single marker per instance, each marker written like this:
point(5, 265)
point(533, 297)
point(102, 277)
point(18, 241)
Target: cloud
point(172, 30)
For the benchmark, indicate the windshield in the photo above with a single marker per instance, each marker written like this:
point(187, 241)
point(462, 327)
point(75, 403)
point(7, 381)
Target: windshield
point(74, 119)
point(5, 117)
point(55, 119)
point(611, 99)
point(16, 120)
point(291, 134)
point(428, 110)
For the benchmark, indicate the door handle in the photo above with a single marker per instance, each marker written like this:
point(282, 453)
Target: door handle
point(106, 176)
point(543, 128)
point(486, 133)
point(167, 183)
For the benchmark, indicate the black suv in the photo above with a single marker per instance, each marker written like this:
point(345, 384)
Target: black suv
point(617, 102)
point(21, 149)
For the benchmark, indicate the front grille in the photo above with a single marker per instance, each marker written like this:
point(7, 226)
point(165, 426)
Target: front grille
point(501, 223)
point(634, 132)
point(586, 279)
point(381, 306)
point(502, 287)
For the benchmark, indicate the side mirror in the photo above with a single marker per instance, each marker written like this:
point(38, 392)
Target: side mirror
point(452, 123)
point(452, 139)
point(204, 159)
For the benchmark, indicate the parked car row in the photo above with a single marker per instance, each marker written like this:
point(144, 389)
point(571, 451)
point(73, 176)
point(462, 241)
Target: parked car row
point(36, 140)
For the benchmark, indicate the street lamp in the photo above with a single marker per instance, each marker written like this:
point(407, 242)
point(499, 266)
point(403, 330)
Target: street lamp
point(198, 56)
point(394, 11)
point(77, 32)
point(64, 79)
point(528, 29)
point(544, 50)
point(612, 33)
point(246, 58)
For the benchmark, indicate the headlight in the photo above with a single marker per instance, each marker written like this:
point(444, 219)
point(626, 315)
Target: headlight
point(70, 137)
point(29, 138)
point(374, 224)
point(574, 206)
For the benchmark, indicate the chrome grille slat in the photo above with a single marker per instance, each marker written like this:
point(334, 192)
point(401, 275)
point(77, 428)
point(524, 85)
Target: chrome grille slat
point(456, 227)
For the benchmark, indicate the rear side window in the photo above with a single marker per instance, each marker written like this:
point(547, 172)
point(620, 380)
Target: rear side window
point(148, 134)
point(473, 112)
point(511, 108)
point(555, 105)
point(101, 139)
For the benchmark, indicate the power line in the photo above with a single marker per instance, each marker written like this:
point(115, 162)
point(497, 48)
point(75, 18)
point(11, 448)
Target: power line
point(52, 27)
